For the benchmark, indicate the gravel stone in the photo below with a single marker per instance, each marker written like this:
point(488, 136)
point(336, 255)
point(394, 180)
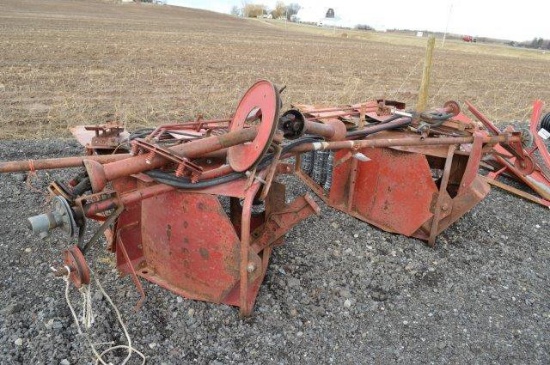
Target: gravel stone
point(480, 296)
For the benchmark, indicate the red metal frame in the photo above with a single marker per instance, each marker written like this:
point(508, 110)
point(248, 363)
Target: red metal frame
point(189, 243)
point(412, 174)
point(393, 188)
point(512, 160)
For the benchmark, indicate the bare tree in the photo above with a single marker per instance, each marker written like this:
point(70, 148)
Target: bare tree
point(235, 10)
point(292, 9)
point(254, 10)
point(279, 11)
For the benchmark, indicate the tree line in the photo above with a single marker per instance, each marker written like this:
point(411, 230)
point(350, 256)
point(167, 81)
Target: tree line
point(281, 10)
point(536, 43)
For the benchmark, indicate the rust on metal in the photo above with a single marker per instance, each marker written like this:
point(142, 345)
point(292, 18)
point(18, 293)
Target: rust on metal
point(57, 163)
point(197, 207)
point(528, 165)
point(101, 138)
point(79, 272)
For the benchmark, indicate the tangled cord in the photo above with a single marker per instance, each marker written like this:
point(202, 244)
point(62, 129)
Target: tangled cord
point(87, 318)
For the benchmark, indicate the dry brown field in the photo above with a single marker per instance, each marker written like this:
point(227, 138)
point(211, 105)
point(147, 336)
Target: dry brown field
point(65, 63)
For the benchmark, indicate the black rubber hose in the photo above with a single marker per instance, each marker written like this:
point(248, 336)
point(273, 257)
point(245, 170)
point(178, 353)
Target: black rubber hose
point(398, 121)
point(140, 133)
point(83, 186)
point(185, 183)
point(435, 117)
point(545, 122)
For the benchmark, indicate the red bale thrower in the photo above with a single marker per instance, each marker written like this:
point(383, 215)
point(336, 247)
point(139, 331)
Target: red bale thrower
point(196, 207)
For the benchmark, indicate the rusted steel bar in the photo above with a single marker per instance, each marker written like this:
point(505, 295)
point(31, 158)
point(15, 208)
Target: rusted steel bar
point(203, 124)
point(439, 205)
point(482, 118)
point(393, 142)
point(94, 208)
point(57, 163)
point(518, 192)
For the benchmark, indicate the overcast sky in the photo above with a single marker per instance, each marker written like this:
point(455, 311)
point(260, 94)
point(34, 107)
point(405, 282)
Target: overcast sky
point(514, 20)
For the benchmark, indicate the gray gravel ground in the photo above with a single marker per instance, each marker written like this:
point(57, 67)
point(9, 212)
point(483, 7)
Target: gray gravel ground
point(340, 291)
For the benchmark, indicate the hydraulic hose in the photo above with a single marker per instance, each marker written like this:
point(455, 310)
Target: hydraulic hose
point(397, 121)
point(185, 183)
point(545, 122)
point(435, 117)
point(140, 133)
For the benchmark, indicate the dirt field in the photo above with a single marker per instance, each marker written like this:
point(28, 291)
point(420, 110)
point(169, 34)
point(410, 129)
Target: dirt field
point(73, 62)
point(339, 291)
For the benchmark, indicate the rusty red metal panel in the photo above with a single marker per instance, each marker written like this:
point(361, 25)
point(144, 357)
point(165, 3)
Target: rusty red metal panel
point(127, 233)
point(394, 190)
point(189, 245)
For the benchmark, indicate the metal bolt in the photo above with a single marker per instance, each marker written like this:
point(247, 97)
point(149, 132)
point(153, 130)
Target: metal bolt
point(62, 271)
point(251, 267)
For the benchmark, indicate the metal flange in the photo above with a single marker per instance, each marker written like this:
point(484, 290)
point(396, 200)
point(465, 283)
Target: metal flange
point(261, 102)
point(61, 216)
point(452, 107)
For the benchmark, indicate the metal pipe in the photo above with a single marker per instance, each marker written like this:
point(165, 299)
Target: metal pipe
point(57, 163)
point(204, 124)
point(331, 130)
point(482, 118)
point(392, 124)
point(100, 175)
point(294, 124)
point(398, 142)
point(94, 208)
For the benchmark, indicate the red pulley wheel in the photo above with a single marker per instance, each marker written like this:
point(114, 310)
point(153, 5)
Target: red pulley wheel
point(258, 107)
point(80, 272)
point(525, 165)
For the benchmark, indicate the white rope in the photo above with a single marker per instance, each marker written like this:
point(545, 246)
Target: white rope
point(121, 321)
point(67, 285)
point(87, 317)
